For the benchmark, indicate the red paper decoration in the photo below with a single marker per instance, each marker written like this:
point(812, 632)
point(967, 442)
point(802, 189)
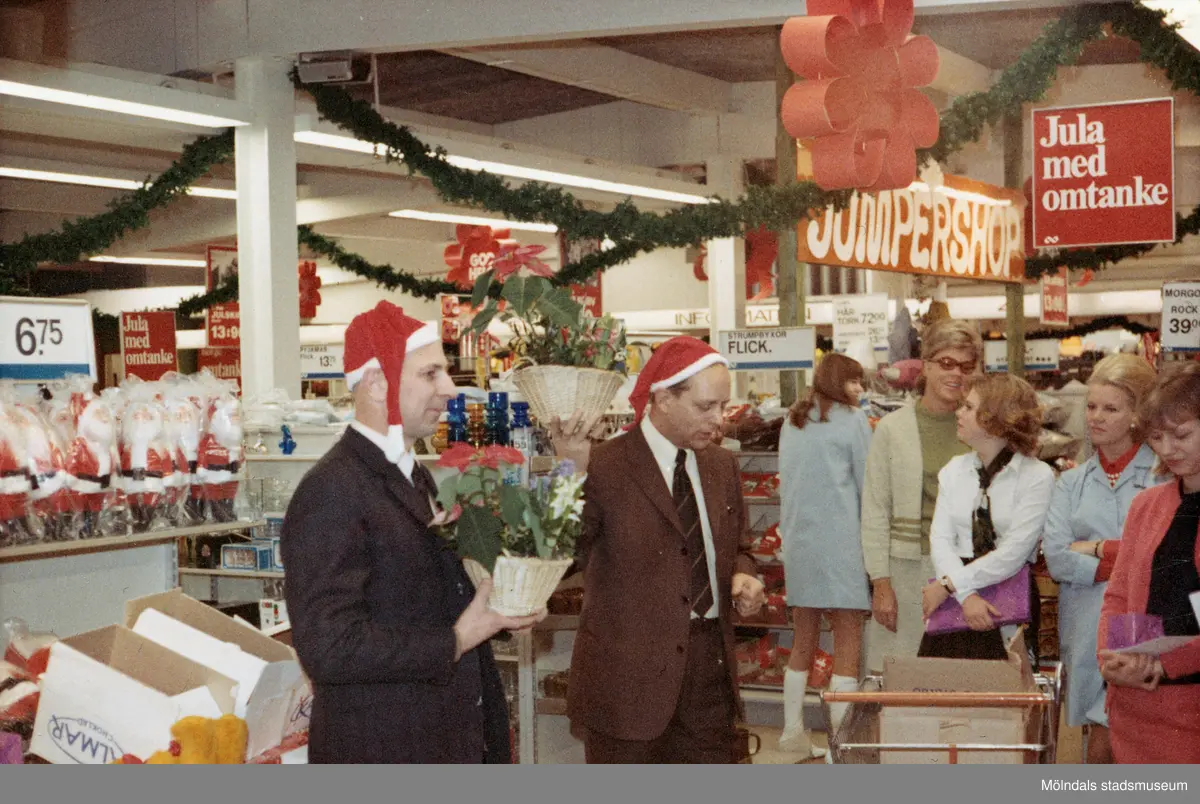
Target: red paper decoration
point(310, 289)
point(473, 254)
point(762, 247)
point(859, 103)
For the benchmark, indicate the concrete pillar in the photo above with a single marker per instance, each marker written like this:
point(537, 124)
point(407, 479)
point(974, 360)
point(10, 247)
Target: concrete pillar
point(727, 263)
point(266, 224)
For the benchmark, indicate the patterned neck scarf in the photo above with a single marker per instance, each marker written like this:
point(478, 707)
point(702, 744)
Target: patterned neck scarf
point(983, 532)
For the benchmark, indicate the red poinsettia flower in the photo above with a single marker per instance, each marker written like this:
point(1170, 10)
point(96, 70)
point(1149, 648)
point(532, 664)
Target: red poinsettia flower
point(513, 257)
point(459, 457)
point(493, 456)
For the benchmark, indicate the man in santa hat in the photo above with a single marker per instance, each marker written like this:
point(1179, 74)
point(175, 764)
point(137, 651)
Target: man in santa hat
point(653, 675)
point(384, 619)
point(90, 464)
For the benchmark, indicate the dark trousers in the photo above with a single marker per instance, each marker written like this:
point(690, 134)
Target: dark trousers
point(702, 729)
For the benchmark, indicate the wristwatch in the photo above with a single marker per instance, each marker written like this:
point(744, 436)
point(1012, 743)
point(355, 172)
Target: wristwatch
point(945, 582)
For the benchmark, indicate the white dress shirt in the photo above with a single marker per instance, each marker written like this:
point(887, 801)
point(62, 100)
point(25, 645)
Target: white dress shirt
point(664, 454)
point(407, 461)
point(1020, 500)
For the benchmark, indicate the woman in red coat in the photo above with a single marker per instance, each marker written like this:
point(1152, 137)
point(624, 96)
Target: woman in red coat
point(1154, 701)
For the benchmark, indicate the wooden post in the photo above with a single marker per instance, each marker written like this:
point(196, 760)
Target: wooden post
point(790, 285)
point(1014, 291)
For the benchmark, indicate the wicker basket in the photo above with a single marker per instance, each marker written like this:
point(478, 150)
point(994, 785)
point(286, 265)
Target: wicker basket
point(561, 390)
point(521, 586)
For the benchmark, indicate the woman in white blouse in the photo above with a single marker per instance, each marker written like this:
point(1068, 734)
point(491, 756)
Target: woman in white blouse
point(991, 506)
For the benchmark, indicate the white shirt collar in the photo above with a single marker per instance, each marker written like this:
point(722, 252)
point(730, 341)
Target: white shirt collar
point(407, 460)
point(663, 450)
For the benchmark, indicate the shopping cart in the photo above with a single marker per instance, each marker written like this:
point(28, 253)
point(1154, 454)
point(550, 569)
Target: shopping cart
point(857, 741)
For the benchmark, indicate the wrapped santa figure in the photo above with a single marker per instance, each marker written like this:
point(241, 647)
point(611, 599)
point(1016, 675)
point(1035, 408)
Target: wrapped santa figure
point(221, 457)
point(90, 465)
point(49, 496)
point(146, 464)
point(182, 424)
point(14, 481)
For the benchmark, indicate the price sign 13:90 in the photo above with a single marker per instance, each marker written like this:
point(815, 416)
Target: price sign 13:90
point(33, 334)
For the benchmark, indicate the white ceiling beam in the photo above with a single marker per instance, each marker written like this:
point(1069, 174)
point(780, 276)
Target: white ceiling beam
point(611, 72)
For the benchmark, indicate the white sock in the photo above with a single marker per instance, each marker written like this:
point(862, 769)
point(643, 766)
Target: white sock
point(795, 683)
point(837, 711)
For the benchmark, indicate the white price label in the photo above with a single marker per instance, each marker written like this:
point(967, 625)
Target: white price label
point(1040, 355)
point(860, 325)
point(45, 339)
point(321, 362)
point(762, 349)
point(1181, 317)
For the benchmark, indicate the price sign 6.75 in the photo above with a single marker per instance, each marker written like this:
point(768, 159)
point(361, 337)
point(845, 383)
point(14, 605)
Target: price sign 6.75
point(45, 339)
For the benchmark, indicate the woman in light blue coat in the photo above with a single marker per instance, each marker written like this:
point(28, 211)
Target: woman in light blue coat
point(822, 463)
point(1083, 531)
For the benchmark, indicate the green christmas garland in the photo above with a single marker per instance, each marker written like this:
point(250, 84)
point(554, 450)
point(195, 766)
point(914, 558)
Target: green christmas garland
point(632, 230)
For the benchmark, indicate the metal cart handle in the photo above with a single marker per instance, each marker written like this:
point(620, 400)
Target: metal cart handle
point(1002, 699)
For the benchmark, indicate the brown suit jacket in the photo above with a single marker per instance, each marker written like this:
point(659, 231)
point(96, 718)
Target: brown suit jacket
point(630, 651)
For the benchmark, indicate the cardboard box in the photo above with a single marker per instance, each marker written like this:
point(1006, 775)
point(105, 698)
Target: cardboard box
point(111, 692)
point(251, 557)
point(273, 695)
point(958, 725)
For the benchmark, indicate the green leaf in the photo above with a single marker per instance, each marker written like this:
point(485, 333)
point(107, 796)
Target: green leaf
point(469, 485)
point(559, 308)
point(534, 523)
point(513, 504)
point(484, 317)
point(447, 492)
point(481, 288)
point(523, 292)
point(478, 536)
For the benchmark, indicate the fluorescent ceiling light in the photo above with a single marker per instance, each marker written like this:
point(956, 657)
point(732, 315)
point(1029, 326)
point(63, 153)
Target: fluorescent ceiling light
point(167, 261)
point(513, 171)
point(1184, 12)
point(102, 181)
point(70, 98)
point(495, 223)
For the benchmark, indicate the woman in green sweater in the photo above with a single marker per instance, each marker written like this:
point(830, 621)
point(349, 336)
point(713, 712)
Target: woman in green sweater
point(909, 448)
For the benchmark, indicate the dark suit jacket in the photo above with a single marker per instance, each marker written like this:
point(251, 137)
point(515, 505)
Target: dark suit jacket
point(373, 595)
point(631, 648)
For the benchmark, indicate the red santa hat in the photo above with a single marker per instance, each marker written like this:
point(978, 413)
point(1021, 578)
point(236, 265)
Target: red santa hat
point(673, 362)
point(379, 339)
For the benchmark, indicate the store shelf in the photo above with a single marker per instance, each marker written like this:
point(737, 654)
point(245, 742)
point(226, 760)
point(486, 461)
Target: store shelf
point(232, 573)
point(33, 552)
point(505, 657)
point(252, 457)
point(550, 706)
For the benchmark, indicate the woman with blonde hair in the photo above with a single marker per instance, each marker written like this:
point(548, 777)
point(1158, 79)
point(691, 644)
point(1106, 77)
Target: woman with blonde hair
point(991, 507)
point(822, 461)
point(1083, 531)
point(910, 446)
point(1154, 700)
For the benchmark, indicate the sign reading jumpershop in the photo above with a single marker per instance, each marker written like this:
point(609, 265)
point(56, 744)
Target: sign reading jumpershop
point(959, 229)
point(1104, 175)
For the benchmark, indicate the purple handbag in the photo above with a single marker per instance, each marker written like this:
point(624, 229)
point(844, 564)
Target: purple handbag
point(1010, 597)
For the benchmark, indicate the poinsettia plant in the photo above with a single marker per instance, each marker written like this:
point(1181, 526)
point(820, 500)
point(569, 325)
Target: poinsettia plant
point(551, 328)
point(485, 517)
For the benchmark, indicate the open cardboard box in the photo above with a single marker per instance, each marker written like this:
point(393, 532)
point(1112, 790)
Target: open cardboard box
point(958, 725)
point(111, 692)
point(272, 695)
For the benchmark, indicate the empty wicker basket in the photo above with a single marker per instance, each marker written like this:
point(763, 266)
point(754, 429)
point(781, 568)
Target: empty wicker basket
point(520, 586)
point(561, 390)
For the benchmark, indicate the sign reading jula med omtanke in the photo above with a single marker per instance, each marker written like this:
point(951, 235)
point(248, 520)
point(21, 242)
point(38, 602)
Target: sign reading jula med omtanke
point(148, 344)
point(960, 228)
point(1104, 174)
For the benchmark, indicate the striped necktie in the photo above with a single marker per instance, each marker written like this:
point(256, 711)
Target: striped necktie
point(693, 539)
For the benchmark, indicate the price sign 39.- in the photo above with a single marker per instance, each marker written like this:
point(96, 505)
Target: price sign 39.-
point(45, 339)
point(1181, 317)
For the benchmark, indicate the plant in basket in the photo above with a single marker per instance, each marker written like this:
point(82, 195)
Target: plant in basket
point(567, 360)
point(522, 536)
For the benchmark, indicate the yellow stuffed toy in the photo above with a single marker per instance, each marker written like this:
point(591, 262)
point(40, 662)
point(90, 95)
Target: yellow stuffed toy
point(201, 741)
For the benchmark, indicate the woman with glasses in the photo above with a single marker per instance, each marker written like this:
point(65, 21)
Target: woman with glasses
point(910, 446)
point(822, 460)
point(1154, 700)
point(1083, 531)
point(991, 507)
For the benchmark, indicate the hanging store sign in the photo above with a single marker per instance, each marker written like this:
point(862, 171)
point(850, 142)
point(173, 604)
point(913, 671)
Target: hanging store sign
point(148, 344)
point(45, 339)
point(1054, 299)
point(1181, 317)
point(225, 364)
point(960, 229)
point(763, 349)
point(321, 362)
point(1104, 174)
point(1040, 355)
point(222, 321)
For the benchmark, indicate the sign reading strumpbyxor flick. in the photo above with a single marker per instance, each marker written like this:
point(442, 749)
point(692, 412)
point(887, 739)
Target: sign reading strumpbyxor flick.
point(769, 349)
point(1104, 174)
